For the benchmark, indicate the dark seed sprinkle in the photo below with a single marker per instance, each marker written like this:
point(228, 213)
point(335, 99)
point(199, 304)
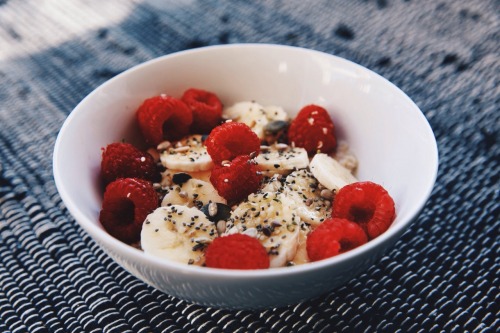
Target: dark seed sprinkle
point(180, 178)
point(223, 212)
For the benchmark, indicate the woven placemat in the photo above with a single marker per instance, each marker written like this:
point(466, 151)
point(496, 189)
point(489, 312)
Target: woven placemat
point(442, 276)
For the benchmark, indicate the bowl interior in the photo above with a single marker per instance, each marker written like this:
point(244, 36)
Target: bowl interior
point(384, 128)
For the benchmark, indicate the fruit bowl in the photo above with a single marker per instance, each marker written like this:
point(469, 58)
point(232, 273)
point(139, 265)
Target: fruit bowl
point(391, 138)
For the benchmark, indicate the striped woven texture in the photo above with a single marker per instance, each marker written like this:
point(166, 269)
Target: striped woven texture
point(443, 274)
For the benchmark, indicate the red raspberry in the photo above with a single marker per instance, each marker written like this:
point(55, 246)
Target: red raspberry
point(164, 118)
point(206, 107)
point(126, 203)
point(236, 251)
point(367, 204)
point(236, 181)
point(231, 139)
point(123, 160)
point(332, 237)
point(313, 130)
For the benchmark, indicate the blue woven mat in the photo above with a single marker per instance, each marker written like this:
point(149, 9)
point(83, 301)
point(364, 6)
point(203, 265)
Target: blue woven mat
point(442, 276)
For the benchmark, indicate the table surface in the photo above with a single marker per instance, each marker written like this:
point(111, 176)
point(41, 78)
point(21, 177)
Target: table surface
point(443, 274)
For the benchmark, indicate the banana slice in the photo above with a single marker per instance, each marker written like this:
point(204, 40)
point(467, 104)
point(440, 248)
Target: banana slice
point(330, 173)
point(265, 216)
point(311, 203)
point(255, 115)
point(301, 256)
point(274, 183)
point(192, 193)
point(177, 233)
point(281, 158)
point(188, 154)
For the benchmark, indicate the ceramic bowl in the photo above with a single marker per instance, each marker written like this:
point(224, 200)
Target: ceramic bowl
point(388, 133)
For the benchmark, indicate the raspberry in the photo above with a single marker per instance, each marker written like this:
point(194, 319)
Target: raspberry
point(367, 204)
point(236, 181)
point(123, 160)
point(332, 237)
point(231, 139)
point(164, 118)
point(206, 108)
point(313, 130)
point(236, 251)
point(126, 203)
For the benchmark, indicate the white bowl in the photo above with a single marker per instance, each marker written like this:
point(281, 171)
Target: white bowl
point(385, 129)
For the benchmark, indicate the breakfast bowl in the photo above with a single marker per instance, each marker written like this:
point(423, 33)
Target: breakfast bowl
point(389, 135)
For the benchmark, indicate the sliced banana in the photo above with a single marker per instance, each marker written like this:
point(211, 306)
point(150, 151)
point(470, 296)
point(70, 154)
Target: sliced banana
point(330, 173)
point(255, 115)
point(193, 193)
point(274, 183)
point(311, 203)
point(177, 233)
point(301, 256)
point(265, 216)
point(281, 158)
point(188, 155)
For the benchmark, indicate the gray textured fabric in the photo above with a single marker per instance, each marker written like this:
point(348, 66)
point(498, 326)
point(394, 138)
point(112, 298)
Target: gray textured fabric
point(442, 276)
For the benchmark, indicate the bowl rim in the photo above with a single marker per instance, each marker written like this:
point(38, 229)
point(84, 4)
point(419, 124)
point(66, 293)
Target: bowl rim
point(101, 236)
